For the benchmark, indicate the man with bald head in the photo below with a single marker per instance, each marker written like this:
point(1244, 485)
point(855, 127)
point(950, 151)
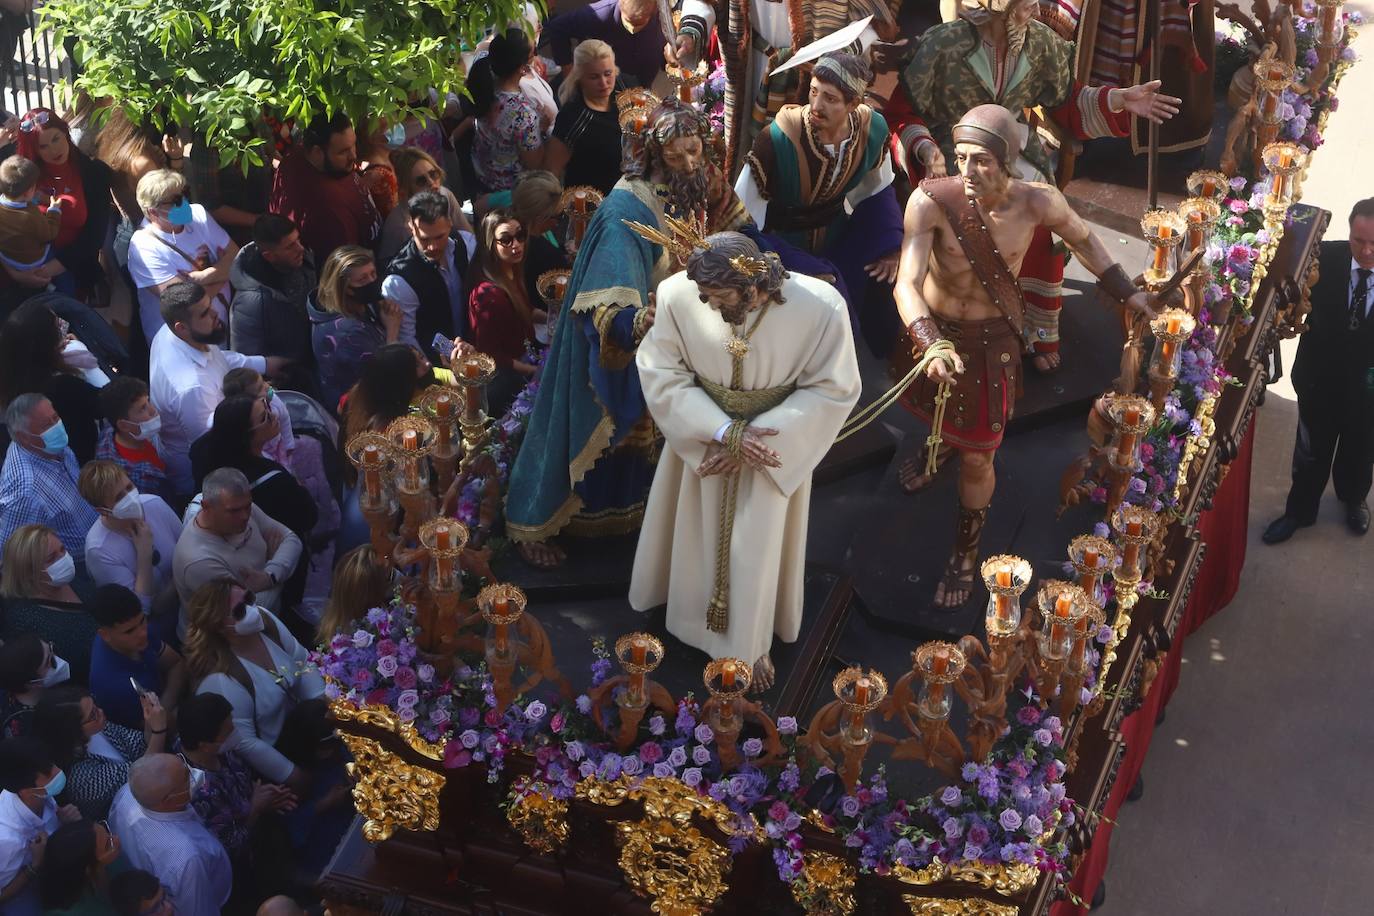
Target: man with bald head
point(162, 834)
point(965, 237)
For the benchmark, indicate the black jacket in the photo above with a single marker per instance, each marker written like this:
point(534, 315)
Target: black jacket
point(1334, 363)
point(268, 315)
point(82, 256)
point(435, 314)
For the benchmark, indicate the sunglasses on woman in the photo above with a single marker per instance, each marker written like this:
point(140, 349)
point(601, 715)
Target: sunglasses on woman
point(240, 610)
point(34, 122)
point(508, 240)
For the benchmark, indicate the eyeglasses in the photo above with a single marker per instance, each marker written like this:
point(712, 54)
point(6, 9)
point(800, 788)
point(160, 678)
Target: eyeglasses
point(240, 610)
point(433, 176)
point(34, 122)
point(109, 835)
point(508, 240)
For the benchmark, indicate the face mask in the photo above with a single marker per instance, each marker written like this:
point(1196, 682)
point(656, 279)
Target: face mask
point(180, 215)
point(62, 570)
point(55, 438)
point(251, 622)
point(271, 394)
point(128, 506)
point(59, 673)
point(149, 428)
point(369, 294)
point(55, 787)
point(396, 136)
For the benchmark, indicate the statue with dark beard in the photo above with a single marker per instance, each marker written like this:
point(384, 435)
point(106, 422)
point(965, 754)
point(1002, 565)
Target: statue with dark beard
point(585, 464)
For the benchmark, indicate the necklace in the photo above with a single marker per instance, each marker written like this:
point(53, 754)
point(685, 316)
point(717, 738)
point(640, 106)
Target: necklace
point(738, 345)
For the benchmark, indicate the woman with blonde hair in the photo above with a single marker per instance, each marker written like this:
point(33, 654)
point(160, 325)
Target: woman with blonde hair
point(349, 319)
point(585, 146)
point(416, 171)
point(361, 582)
point(245, 654)
point(36, 588)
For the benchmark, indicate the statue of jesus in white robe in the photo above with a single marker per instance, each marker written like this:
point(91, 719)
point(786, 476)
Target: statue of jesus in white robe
point(800, 360)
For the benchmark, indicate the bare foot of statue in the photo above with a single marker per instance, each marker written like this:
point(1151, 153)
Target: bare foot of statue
point(542, 554)
point(764, 675)
point(911, 473)
point(1046, 363)
point(956, 585)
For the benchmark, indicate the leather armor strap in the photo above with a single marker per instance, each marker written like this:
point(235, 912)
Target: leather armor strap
point(992, 272)
point(1116, 283)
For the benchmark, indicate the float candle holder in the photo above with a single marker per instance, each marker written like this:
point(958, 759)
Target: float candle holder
point(1272, 77)
point(443, 413)
point(1062, 604)
point(1171, 328)
point(1209, 184)
point(1006, 577)
point(727, 680)
point(1091, 556)
point(410, 444)
point(1083, 634)
point(939, 664)
point(373, 455)
point(1329, 29)
point(1163, 229)
point(1283, 160)
point(444, 539)
point(372, 473)
point(412, 439)
point(638, 654)
point(860, 692)
point(501, 605)
point(1131, 417)
point(1134, 527)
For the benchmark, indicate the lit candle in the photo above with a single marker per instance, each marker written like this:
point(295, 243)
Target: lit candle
point(939, 666)
point(1088, 582)
point(1166, 354)
point(443, 410)
point(580, 202)
point(1275, 74)
point(639, 651)
point(1132, 551)
point(1209, 187)
point(863, 687)
point(727, 676)
point(372, 473)
point(1195, 230)
point(560, 286)
point(500, 605)
point(472, 369)
point(1063, 607)
point(1160, 252)
point(1004, 601)
point(1125, 450)
point(410, 441)
point(443, 541)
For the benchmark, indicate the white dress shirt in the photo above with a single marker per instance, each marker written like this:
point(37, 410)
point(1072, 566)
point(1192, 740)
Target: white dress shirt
point(176, 849)
point(1355, 281)
point(395, 288)
point(259, 716)
point(186, 385)
point(19, 825)
point(111, 557)
point(153, 261)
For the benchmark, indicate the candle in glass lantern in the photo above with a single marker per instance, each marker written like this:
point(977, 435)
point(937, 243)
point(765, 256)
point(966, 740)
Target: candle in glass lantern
point(939, 666)
point(939, 662)
point(1195, 230)
point(560, 287)
point(500, 605)
point(443, 541)
point(580, 202)
point(1161, 252)
point(1209, 187)
point(863, 689)
point(1166, 354)
point(443, 411)
point(1125, 451)
point(1132, 551)
point(1087, 581)
point(372, 473)
point(639, 651)
point(410, 442)
point(1063, 607)
point(727, 676)
point(1004, 601)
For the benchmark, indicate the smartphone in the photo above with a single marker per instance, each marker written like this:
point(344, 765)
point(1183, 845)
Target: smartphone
point(138, 688)
point(442, 347)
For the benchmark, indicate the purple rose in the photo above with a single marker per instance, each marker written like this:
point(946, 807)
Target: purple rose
point(387, 665)
point(407, 699)
point(849, 807)
point(704, 734)
point(439, 716)
point(406, 713)
point(556, 723)
point(1043, 737)
point(951, 796)
point(691, 777)
point(753, 747)
point(787, 725)
point(586, 768)
point(657, 726)
point(701, 755)
point(535, 711)
point(1033, 826)
point(362, 639)
point(405, 677)
point(631, 766)
point(470, 739)
point(574, 751)
point(952, 829)
point(678, 757)
point(1010, 819)
point(972, 852)
point(425, 673)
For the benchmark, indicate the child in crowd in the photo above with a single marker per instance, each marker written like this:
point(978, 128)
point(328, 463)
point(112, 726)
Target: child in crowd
point(27, 228)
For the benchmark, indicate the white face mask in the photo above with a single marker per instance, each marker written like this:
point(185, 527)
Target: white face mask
point(251, 622)
point(59, 673)
point(128, 506)
point(149, 428)
point(62, 570)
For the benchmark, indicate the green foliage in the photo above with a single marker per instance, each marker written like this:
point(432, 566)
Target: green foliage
point(215, 65)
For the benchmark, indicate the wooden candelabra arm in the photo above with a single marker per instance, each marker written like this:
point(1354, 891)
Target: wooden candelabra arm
point(603, 695)
point(536, 655)
point(1240, 126)
point(1232, 12)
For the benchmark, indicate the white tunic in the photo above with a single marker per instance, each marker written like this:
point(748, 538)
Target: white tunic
point(804, 341)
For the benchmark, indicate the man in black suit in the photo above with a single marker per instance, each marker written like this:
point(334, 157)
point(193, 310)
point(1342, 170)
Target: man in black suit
point(1334, 378)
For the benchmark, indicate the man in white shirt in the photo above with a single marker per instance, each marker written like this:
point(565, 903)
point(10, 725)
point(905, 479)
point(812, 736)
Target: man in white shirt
point(186, 374)
point(425, 279)
point(177, 241)
point(28, 814)
point(162, 834)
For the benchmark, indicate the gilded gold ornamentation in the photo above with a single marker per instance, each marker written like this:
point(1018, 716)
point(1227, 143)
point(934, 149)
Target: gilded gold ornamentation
point(826, 885)
point(541, 821)
point(663, 856)
point(389, 792)
point(383, 717)
point(1006, 880)
point(961, 906)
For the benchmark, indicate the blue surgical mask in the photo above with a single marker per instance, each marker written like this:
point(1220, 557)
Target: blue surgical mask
point(396, 136)
point(56, 785)
point(55, 438)
point(180, 214)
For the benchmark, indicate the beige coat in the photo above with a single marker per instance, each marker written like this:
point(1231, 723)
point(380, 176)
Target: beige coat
point(805, 341)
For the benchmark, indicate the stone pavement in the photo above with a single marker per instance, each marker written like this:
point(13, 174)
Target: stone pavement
point(1257, 799)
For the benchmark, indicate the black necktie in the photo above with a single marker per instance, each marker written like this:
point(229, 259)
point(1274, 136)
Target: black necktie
point(1359, 298)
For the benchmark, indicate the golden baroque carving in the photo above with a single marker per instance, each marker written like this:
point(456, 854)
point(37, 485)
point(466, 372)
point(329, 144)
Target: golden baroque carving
point(383, 717)
point(955, 906)
point(541, 821)
point(663, 856)
point(389, 792)
point(826, 885)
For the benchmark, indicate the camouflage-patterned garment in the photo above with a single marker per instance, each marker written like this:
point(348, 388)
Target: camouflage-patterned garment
point(951, 74)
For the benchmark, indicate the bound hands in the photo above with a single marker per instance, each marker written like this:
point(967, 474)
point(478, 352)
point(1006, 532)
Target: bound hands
point(752, 452)
point(1145, 101)
point(939, 370)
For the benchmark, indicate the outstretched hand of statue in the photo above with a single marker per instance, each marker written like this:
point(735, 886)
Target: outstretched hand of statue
point(940, 369)
point(1145, 101)
point(932, 159)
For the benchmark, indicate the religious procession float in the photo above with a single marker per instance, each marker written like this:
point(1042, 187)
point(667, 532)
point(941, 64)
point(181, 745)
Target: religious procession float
point(493, 776)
